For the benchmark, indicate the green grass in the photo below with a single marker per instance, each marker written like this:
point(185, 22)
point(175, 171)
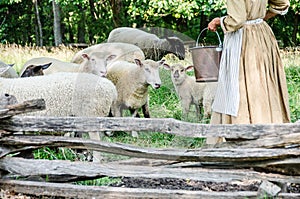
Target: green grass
point(293, 81)
point(104, 181)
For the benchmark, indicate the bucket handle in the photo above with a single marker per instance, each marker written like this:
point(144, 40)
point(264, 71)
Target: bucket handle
point(220, 42)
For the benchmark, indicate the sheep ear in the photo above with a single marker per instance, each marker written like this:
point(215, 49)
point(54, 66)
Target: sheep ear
point(85, 56)
point(161, 62)
point(189, 68)
point(111, 57)
point(45, 66)
point(40, 67)
point(167, 66)
point(138, 62)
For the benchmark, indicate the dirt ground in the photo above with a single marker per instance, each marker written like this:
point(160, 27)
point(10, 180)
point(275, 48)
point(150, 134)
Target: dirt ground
point(168, 183)
point(175, 184)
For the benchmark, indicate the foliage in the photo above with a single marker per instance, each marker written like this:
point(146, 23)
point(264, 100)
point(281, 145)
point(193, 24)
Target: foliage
point(89, 21)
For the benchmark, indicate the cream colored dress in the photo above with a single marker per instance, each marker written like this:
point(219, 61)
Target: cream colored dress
point(263, 95)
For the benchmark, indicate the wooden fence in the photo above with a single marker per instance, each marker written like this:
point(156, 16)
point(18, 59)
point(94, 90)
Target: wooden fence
point(265, 153)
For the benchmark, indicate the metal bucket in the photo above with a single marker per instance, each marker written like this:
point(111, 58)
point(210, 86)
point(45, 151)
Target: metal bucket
point(206, 61)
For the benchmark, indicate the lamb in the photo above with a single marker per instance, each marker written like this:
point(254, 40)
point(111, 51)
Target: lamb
point(7, 70)
point(65, 94)
point(190, 92)
point(123, 51)
point(153, 47)
point(94, 63)
point(132, 81)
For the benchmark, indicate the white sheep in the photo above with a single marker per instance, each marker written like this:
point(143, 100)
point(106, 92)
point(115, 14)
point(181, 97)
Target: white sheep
point(93, 62)
point(132, 81)
point(7, 70)
point(191, 92)
point(122, 51)
point(65, 94)
point(153, 47)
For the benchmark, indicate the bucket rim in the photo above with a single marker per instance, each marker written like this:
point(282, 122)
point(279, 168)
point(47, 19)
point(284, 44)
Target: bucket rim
point(197, 47)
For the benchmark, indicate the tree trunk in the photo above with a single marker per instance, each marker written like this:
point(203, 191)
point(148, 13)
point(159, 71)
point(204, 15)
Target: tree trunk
point(296, 26)
point(81, 26)
point(117, 9)
point(56, 24)
point(39, 39)
point(92, 28)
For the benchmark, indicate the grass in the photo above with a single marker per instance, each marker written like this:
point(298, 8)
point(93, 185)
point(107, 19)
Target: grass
point(164, 103)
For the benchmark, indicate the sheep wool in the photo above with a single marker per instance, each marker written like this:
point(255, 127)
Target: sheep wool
point(132, 81)
point(153, 47)
point(65, 94)
point(123, 51)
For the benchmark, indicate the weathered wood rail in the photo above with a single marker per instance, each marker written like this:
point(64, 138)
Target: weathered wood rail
point(261, 152)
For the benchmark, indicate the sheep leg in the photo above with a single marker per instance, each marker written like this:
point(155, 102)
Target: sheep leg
point(145, 109)
point(207, 108)
point(198, 111)
point(97, 157)
point(185, 109)
point(134, 133)
point(132, 112)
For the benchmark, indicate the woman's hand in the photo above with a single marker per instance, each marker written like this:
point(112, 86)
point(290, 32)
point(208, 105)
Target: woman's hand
point(214, 24)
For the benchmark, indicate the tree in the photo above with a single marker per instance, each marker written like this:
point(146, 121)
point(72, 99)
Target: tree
point(39, 32)
point(56, 23)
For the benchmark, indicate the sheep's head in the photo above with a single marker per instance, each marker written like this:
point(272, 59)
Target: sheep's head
point(7, 71)
point(96, 63)
point(176, 47)
point(151, 71)
point(35, 70)
point(178, 72)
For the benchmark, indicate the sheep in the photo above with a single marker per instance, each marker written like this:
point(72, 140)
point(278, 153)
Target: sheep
point(123, 51)
point(153, 47)
point(190, 92)
point(132, 81)
point(94, 62)
point(7, 70)
point(65, 94)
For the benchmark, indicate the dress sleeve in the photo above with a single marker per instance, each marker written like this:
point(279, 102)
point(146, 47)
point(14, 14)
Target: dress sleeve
point(279, 6)
point(236, 16)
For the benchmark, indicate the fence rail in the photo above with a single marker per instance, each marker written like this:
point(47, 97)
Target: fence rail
point(261, 152)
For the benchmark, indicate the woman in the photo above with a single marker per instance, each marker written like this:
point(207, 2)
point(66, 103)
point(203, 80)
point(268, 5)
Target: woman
point(252, 84)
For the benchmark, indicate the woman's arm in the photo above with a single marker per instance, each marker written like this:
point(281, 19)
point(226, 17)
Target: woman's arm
point(214, 24)
point(269, 15)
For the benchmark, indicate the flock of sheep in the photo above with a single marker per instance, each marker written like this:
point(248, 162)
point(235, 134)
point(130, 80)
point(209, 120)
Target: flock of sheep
point(107, 78)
